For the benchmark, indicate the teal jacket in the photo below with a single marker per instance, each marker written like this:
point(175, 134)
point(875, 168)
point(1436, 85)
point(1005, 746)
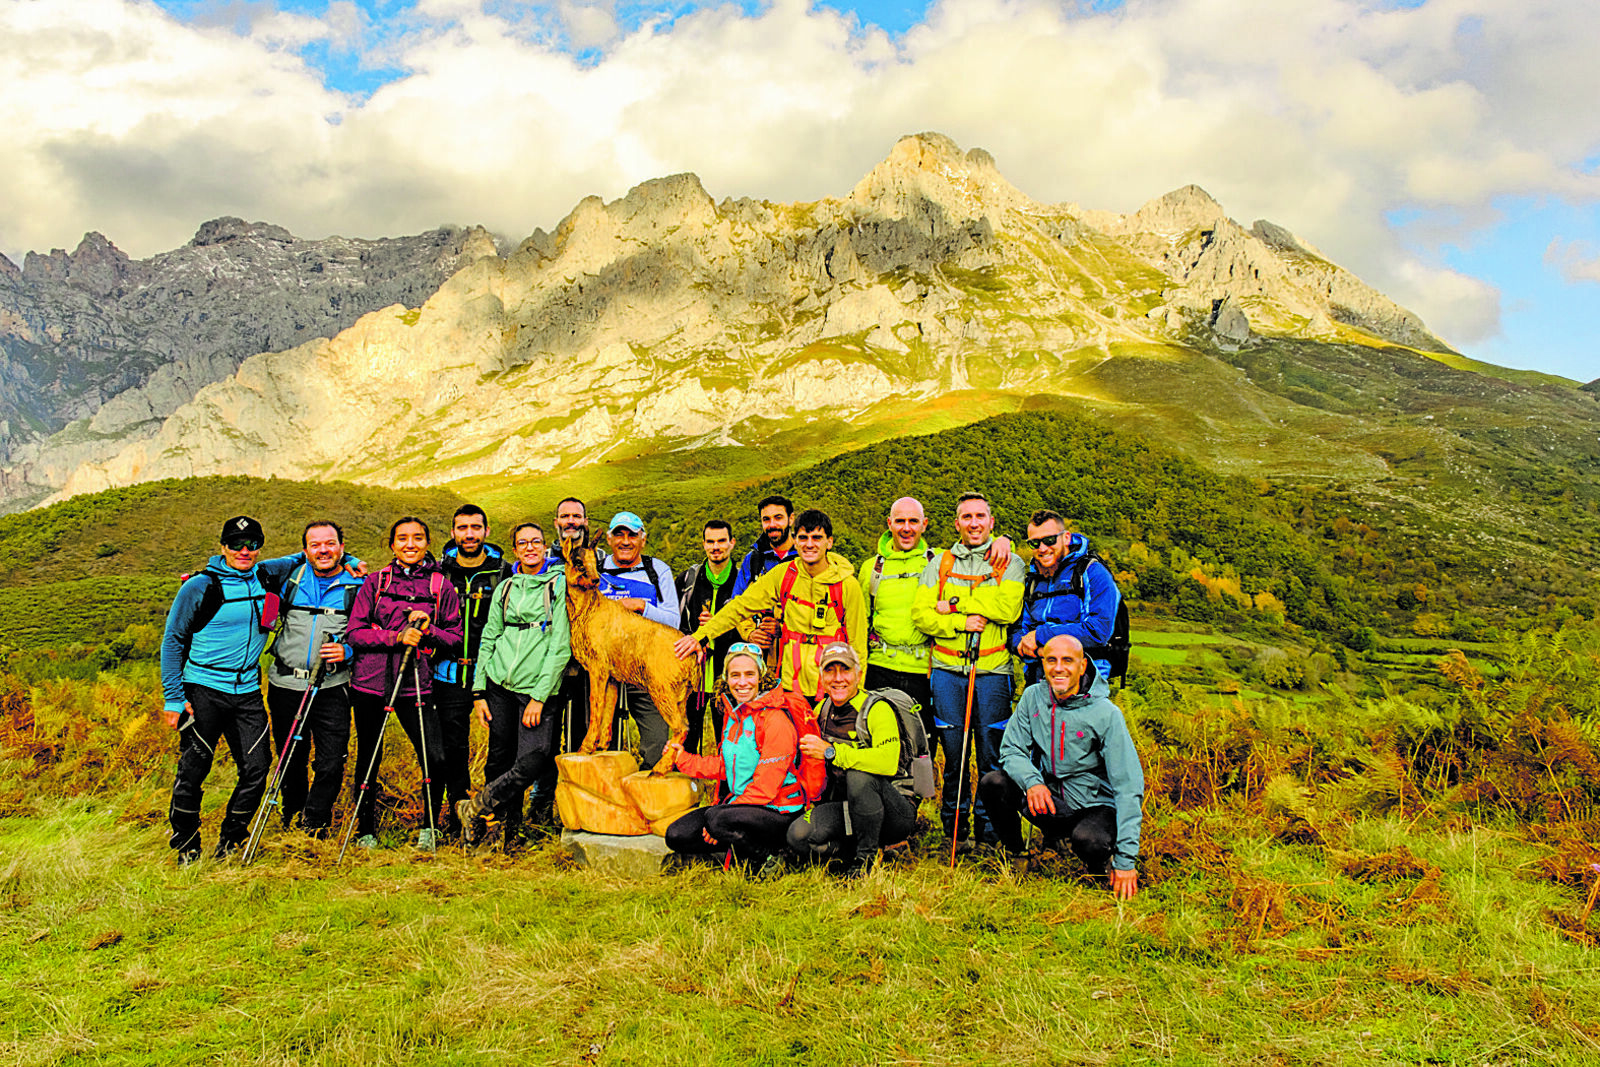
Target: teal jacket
point(1081, 749)
point(526, 639)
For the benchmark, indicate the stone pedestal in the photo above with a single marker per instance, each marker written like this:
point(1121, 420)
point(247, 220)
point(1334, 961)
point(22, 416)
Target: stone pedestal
point(631, 857)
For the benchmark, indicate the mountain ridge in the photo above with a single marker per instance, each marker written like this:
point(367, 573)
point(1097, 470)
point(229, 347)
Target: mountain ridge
point(666, 316)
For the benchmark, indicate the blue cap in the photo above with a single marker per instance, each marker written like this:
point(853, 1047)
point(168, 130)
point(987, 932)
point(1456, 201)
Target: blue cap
point(627, 520)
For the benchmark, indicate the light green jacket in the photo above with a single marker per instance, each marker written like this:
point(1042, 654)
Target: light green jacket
point(999, 602)
point(894, 642)
point(527, 640)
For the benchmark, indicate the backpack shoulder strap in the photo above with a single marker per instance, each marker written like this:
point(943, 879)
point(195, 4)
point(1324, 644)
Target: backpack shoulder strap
point(211, 600)
point(947, 563)
point(655, 578)
point(787, 586)
point(836, 598)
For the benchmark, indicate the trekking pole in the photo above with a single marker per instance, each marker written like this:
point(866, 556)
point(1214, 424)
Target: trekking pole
point(377, 753)
point(422, 738)
point(966, 733)
point(281, 770)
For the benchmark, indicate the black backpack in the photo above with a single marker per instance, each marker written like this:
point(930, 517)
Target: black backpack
point(1120, 644)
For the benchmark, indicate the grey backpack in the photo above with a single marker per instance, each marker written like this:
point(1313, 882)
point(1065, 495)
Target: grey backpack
point(916, 758)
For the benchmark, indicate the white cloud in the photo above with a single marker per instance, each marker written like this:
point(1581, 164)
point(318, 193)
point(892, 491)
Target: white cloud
point(1578, 261)
point(1323, 115)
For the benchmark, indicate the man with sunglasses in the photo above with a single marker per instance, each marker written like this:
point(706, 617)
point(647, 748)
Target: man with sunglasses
point(1067, 591)
point(211, 683)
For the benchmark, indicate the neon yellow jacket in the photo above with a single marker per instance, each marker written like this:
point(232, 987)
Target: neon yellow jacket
point(1000, 603)
point(899, 645)
point(801, 637)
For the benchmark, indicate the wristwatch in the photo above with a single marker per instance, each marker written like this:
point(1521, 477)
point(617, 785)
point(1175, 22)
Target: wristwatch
point(827, 753)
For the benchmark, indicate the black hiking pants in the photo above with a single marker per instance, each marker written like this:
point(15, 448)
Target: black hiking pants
point(915, 686)
point(453, 704)
point(325, 728)
point(569, 710)
point(752, 831)
point(1092, 832)
point(422, 727)
point(873, 811)
point(241, 720)
point(518, 754)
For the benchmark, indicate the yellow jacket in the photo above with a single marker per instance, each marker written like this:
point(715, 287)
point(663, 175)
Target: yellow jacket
point(999, 602)
point(801, 636)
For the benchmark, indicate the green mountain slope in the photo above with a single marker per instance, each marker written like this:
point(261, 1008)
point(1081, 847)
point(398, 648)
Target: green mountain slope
point(1185, 540)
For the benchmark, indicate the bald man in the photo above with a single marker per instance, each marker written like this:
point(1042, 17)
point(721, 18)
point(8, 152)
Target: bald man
point(897, 652)
point(1068, 763)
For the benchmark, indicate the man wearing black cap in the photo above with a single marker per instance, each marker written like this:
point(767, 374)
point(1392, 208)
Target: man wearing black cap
point(211, 683)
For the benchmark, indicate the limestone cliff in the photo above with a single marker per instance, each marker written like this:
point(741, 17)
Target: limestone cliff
point(664, 319)
point(104, 347)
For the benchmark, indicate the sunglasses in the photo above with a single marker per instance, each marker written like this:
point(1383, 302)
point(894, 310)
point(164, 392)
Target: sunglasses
point(244, 544)
point(745, 648)
point(1044, 542)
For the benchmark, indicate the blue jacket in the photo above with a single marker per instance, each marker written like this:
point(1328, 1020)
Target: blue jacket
point(313, 611)
point(224, 654)
point(1050, 607)
point(660, 594)
point(474, 590)
point(1081, 749)
point(756, 562)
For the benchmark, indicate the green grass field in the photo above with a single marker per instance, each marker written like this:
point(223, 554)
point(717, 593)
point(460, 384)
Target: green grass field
point(1241, 949)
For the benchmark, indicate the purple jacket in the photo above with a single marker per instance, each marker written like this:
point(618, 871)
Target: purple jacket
point(376, 620)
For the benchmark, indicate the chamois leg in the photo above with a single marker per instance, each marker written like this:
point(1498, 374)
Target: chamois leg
point(602, 711)
point(672, 701)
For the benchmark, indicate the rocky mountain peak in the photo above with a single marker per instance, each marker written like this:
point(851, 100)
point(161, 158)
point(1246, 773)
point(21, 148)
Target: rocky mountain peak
point(230, 228)
point(930, 169)
point(1188, 208)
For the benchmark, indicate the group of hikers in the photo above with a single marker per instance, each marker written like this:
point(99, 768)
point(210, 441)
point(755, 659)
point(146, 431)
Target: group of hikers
point(825, 683)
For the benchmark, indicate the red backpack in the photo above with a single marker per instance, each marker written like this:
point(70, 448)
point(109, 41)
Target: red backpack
point(797, 640)
point(810, 772)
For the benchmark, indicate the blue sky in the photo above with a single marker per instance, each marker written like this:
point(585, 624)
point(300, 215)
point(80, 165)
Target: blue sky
point(1435, 147)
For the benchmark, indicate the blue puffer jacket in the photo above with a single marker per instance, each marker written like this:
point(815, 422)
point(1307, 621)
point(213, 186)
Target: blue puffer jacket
point(1051, 608)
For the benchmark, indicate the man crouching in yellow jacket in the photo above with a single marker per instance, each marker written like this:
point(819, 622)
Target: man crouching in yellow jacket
point(815, 600)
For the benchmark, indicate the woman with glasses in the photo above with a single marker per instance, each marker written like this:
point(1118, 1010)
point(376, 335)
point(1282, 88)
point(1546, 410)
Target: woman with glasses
point(405, 613)
point(521, 658)
point(761, 794)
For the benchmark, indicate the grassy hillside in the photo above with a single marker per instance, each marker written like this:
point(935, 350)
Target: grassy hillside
point(170, 527)
point(1186, 541)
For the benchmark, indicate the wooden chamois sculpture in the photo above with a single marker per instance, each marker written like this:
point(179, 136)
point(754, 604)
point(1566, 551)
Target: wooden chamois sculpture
point(615, 645)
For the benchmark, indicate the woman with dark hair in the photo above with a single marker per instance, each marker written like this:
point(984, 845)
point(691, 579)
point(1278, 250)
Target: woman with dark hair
point(406, 606)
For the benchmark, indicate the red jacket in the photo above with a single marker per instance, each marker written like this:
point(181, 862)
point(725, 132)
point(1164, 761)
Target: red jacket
point(759, 744)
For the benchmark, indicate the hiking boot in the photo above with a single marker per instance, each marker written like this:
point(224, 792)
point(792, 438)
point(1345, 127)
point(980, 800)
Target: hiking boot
point(774, 866)
point(188, 856)
point(226, 849)
point(427, 839)
point(367, 841)
point(859, 869)
point(476, 822)
point(963, 846)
